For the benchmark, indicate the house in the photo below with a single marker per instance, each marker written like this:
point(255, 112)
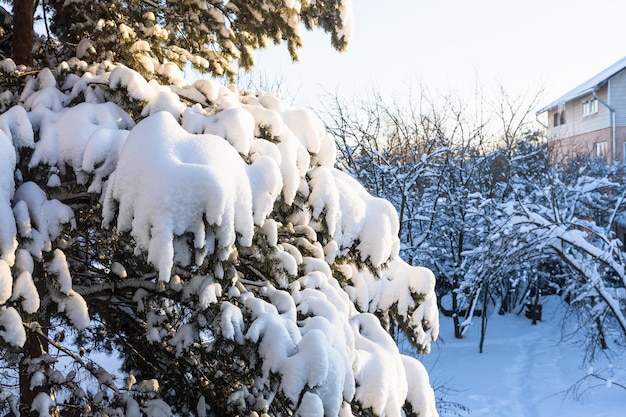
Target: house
point(591, 118)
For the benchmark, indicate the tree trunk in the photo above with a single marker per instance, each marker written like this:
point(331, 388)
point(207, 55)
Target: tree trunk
point(23, 32)
point(536, 307)
point(602, 338)
point(483, 319)
point(455, 316)
point(34, 348)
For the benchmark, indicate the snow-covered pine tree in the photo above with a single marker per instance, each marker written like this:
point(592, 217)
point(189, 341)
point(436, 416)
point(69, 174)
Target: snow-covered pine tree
point(207, 34)
point(181, 248)
point(237, 271)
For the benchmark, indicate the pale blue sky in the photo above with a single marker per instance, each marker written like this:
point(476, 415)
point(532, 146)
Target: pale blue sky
point(450, 45)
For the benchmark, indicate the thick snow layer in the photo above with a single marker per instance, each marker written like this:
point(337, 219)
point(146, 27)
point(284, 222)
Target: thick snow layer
point(277, 337)
point(11, 328)
point(41, 93)
point(8, 241)
point(71, 132)
point(59, 267)
point(17, 127)
point(231, 324)
point(6, 282)
point(235, 125)
point(166, 101)
point(42, 404)
point(132, 81)
point(391, 289)
point(310, 406)
point(24, 289)
point(47, 216)
point(68, 301)
point(179, 187)
point(421, 396)
point(8, 66)
point(380, 374)
point(370, 220)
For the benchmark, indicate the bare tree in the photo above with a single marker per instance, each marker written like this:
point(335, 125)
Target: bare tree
point(437, 161)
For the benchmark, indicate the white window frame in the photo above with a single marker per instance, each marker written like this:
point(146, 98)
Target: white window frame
point(558, 118)
point(590, 107)
point(599, 150)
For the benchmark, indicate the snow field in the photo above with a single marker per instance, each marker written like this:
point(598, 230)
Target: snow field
point(525, 370)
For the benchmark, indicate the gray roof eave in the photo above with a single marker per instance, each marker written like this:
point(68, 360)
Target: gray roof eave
point(572, 95)
point(588, 86)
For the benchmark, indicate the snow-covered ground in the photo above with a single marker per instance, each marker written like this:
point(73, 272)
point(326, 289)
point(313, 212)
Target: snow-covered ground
point(525, 370)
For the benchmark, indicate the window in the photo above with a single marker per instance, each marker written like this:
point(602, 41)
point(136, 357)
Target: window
point(559, 118)
point(590, 107)
point(599, 150)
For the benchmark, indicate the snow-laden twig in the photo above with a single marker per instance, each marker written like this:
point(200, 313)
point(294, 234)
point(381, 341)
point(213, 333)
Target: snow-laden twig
point(99, 373)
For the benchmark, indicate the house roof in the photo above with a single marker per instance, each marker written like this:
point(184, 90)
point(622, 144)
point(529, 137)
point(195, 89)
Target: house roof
point(587, 86)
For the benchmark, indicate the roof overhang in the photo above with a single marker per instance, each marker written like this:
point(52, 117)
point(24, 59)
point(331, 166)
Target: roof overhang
point(589, 86)
point(569, 98)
